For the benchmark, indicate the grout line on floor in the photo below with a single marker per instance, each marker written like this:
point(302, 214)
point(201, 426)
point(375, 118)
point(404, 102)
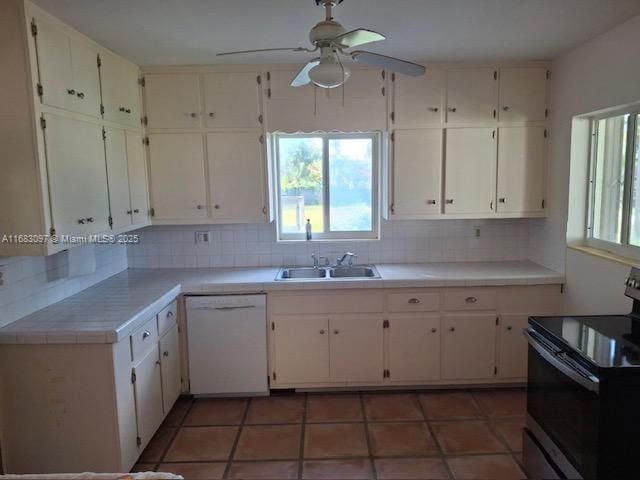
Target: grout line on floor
point(374, 472)
point(177, 430)
point(435, 438)
point(302, 433)
point(237, 439)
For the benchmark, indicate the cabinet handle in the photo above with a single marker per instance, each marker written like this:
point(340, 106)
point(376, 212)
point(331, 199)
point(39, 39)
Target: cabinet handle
point(146, 334)
point(199, 207)
point(127, 110)
point(431, 202)
point(121, 109)
point(81, 221)
point(80, 95)
point(336, 332)
point(136, 210)
point(452, 329)
point(502, 200)
point(434, 330)
point(129, 212)
point(433, 109)
point(471, 299)
point(449, 201)
point(165, 353)
point(169, 314)
point(452, 109)
point(90, 219)
point(158, 362)
point(211, 114)
point(216, 206)
point(193, 114)
point(506, 108)
point(71, 91)
point(322, 332)
point(509, 328)
point(414, 300)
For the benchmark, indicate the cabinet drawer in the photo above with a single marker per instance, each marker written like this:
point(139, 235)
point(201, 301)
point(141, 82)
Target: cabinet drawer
point(325, 304)
point(470, 299)
point(167, 317)
point(144, 338)
point(413, 302)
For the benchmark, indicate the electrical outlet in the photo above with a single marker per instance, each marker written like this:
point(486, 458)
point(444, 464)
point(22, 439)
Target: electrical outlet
point(203, 237)
point(477, 231)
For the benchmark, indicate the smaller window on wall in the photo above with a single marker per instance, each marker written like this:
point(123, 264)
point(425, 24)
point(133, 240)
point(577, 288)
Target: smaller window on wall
point(332, 180)
point(614, 183)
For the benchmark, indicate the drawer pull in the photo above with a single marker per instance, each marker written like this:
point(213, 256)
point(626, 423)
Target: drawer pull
point(322, 332)
point(434, 330)
point(509, 328)
point(146, 334)
point(471, 299)
point(80, 95)
point(433, 109)
point(71, 91)
point(158, 362)
point(452, 329)
point(165, 353)
point(336, 332)
point(414, 300)
point(169, 314)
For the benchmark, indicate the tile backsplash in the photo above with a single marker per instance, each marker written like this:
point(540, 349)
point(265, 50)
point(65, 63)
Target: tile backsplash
point(401, 242)
point(32, 283)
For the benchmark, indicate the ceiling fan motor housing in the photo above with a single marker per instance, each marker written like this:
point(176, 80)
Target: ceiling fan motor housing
point(322, 33)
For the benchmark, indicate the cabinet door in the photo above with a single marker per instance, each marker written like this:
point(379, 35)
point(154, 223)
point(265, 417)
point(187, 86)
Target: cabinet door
point(231, 100)
point(300, 349)
point(147, 389)
point(137, 171)
point(468, 346)
point(513, 346)
point(471, 95)
point(86, 80)
point(236, 177)
point(414, 348)
point(172, 101)
point(120, 96)
point(417, 101)
point(522, 163)
point(54, 65)
point(523, 94)
point(417, 171)
point(77, 176)
point(170, 368)
point(177, 176)
point(290, 109)
point(356, 348)
point(118, 177)
point(470, 170)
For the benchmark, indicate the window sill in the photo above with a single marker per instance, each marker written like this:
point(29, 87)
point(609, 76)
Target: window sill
point(605, 254)
point(328, 240)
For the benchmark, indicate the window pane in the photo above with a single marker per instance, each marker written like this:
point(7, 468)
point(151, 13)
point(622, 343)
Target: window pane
point(300, 177)
point(609, 177)
point(634, 227)
point(351, 184)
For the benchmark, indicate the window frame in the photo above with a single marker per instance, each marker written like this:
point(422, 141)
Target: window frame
point(327, 235)
point(623, 248)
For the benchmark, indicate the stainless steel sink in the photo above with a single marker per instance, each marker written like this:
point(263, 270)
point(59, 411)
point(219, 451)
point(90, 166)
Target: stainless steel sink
point(301, 272)
point(357, 271)
point(368, 271)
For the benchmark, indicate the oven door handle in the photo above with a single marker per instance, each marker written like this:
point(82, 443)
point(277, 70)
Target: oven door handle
point(591, 383)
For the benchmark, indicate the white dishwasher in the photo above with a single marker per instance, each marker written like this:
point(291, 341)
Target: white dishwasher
point(227, 337)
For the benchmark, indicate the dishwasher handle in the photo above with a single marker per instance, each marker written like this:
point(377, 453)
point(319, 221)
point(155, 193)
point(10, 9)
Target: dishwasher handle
point(224, 309)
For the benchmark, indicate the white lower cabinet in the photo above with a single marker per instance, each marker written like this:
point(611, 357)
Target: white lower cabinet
point(170, 368)
point(513, 346)
point(414, 348)
point(147, 388)
point(468, 346)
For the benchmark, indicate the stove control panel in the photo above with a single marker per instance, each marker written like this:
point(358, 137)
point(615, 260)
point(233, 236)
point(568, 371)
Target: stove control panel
point(632, 283)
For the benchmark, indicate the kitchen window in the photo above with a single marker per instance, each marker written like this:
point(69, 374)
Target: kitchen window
point(614, 183)
point(329, 179)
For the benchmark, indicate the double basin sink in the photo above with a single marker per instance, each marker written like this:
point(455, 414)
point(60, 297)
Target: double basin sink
point(359, 271)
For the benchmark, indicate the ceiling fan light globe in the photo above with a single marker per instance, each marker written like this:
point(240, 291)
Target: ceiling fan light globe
point(329, 75)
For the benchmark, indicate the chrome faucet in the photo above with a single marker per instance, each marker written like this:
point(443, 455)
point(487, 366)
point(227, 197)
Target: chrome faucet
point(316, 260)
point(349, 255)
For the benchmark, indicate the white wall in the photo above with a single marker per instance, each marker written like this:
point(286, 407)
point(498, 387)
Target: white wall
point(32, 283)
point(602, 73)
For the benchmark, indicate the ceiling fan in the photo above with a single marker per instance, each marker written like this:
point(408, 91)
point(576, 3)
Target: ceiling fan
point(332, 40)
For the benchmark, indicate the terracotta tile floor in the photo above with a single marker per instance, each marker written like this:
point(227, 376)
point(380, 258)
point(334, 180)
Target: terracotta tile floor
point(409, 435)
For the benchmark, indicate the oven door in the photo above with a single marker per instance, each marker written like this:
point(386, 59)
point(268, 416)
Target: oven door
point(563, 400)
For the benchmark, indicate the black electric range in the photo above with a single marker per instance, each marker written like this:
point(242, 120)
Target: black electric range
point(583, 394)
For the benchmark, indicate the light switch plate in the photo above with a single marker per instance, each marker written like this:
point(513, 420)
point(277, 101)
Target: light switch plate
point(203, 237)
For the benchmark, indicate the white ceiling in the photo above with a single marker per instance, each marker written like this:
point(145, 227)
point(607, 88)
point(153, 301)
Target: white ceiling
point(179, 32)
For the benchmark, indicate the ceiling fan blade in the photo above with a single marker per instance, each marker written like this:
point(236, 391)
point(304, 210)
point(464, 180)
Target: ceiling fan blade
point(296, 49)
point(358, 37)
point(302, 78)
point(390, 63)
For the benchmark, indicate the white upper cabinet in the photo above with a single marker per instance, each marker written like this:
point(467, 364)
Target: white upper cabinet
point(523, 94)
point(115, 144)
point(522, 161)
point(67, 68)
point(236, 177)
point(120, 90)
point(177, 176)
point(417, 101)
point(77, 176)
point(417, 172)
point(137, 171)
point(470, 170)
point(231, 100)
point(289, 109)
point(471, 95)
point(172, 101)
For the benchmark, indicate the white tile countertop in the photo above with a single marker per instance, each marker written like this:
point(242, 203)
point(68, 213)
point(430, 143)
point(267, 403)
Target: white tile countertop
point(112, 309)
